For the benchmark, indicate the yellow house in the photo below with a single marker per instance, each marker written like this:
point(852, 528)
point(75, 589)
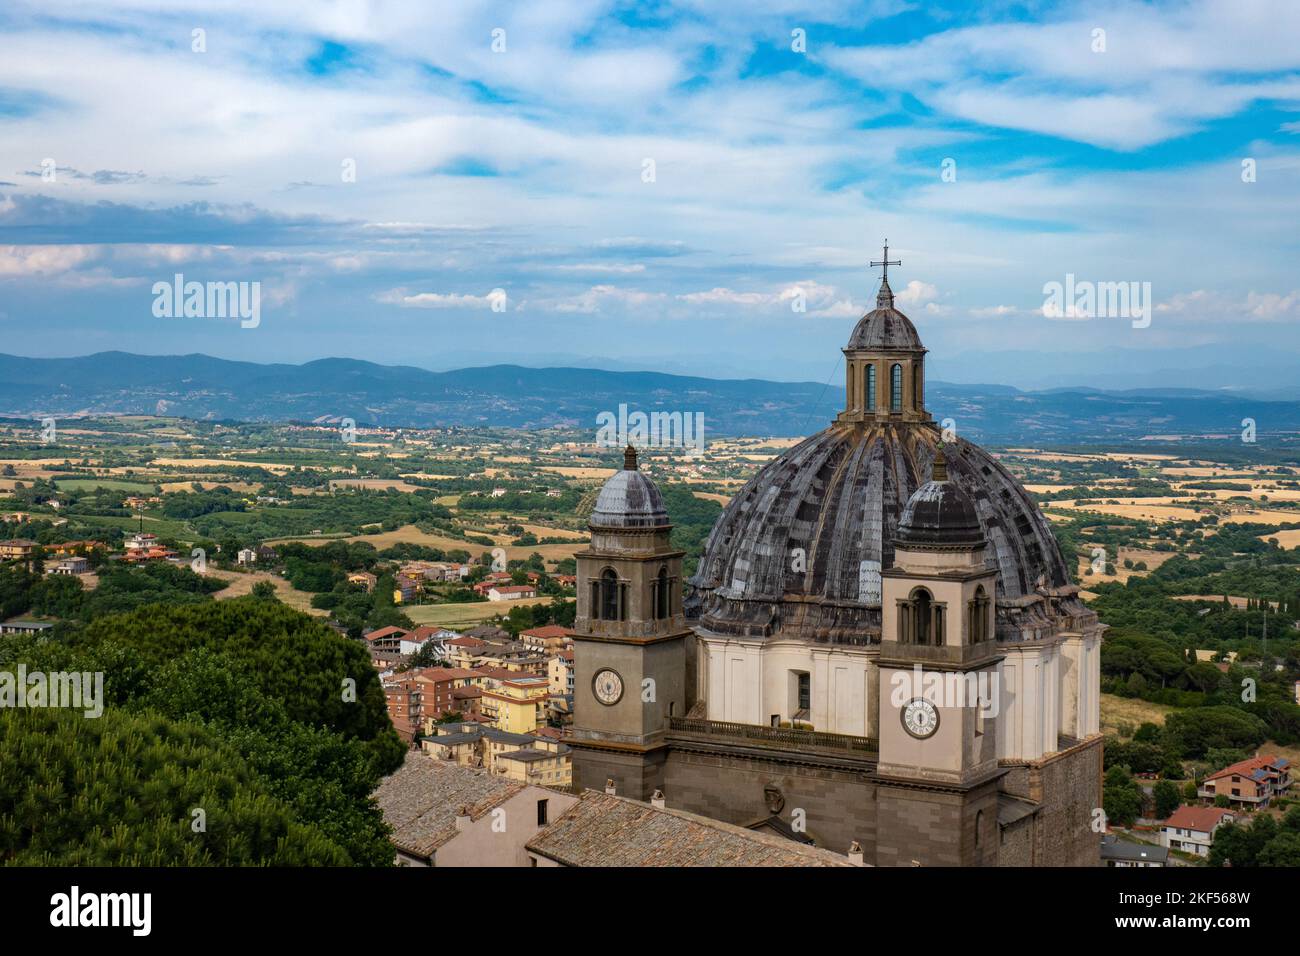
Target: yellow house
point(517, 705)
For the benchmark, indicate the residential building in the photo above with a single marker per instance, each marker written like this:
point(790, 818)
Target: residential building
point(363, 578)
point(154, 552)
point(447, 815)
point(560, 676)
point(442, 683)
point(1254, 782)
point(73, 565)
point(16, 549)
point(1120, 853)
point(406, 589)
point(511, 592)
point(24, 627)
point(549, 638)
point(142, 541)
point(391, 638)
point(529, 758)
point(74, 547)
point(517, 705)
point(1191, 829)
point(246, 556)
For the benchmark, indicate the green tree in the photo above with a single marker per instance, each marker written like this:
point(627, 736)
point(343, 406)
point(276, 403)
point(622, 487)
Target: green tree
point(1167, 799)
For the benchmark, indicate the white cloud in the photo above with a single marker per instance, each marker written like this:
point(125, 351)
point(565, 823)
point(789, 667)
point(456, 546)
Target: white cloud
point(598, 297)
point(440, 300)
point(18, 261)
point(916, 293)
point(614, 268)
point(1207, 306)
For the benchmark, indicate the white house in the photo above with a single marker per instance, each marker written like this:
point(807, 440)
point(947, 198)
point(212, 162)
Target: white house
point(511, 592)
point(1191, 829)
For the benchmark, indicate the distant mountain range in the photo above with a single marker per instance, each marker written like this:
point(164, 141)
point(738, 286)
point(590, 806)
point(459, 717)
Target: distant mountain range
point(202, 387)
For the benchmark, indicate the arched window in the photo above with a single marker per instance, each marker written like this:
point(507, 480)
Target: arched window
point(609, 596)
point(663, 595)
point(979, 616)
point(922, 606)
point(920, 620)
point(870, 402)
point(896, 388)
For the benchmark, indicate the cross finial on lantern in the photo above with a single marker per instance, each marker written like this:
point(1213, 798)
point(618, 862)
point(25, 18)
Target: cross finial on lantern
point(886, 263)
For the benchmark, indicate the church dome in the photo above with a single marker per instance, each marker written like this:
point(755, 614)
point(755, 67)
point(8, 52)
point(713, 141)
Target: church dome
point(939, 515)
point(629, 499)
point(799, 550)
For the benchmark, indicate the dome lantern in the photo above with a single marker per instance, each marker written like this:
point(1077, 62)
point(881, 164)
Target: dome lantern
point(884, 362)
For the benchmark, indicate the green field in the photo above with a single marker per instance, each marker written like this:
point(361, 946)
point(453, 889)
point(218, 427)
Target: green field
point(464, 615)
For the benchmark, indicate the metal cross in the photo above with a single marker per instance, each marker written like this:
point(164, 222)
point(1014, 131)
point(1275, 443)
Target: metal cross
point(884, 277)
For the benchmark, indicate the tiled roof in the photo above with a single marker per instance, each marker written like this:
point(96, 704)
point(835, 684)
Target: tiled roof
point(604, 830)
point(478, 731)
point(420, 801)
point(385, 632)
point(1250, 768)
point(546, 632)
point(466, 642)
point(531, 755)
point(1204, 819)
point(439, 674)
point(1116, 849)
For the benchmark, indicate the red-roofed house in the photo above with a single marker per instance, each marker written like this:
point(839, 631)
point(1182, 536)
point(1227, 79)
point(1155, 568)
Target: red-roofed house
point(1252, 782)
point(549, 638)
point(1191, 829)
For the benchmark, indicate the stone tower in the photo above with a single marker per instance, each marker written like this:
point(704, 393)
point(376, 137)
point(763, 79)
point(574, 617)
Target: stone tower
point(631, 651)
point(939, 684)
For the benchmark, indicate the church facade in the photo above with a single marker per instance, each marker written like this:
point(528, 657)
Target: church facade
point(881, 644)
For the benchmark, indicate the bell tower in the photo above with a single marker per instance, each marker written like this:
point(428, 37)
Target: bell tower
point(631, 644)
point(939, 691)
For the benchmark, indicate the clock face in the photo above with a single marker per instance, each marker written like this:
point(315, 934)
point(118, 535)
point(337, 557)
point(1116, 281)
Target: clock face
point(920, 718)
point(608, 686)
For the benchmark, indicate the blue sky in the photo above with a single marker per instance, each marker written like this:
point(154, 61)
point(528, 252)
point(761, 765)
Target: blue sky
point(777, 173)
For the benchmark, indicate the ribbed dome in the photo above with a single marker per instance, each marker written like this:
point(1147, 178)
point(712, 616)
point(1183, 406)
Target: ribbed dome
point(629, 500)
point(799, 550)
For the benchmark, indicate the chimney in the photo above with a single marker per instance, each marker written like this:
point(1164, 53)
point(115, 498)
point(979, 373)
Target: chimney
point(463, 819)
point(657, 799)
point(609, 786)
point(855, 854)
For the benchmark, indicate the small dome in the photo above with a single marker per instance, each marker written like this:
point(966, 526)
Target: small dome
point(939, 515)
point(884, 328)
point(629, 499)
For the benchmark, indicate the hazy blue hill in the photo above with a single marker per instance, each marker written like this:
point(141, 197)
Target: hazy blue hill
point(202, 387)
